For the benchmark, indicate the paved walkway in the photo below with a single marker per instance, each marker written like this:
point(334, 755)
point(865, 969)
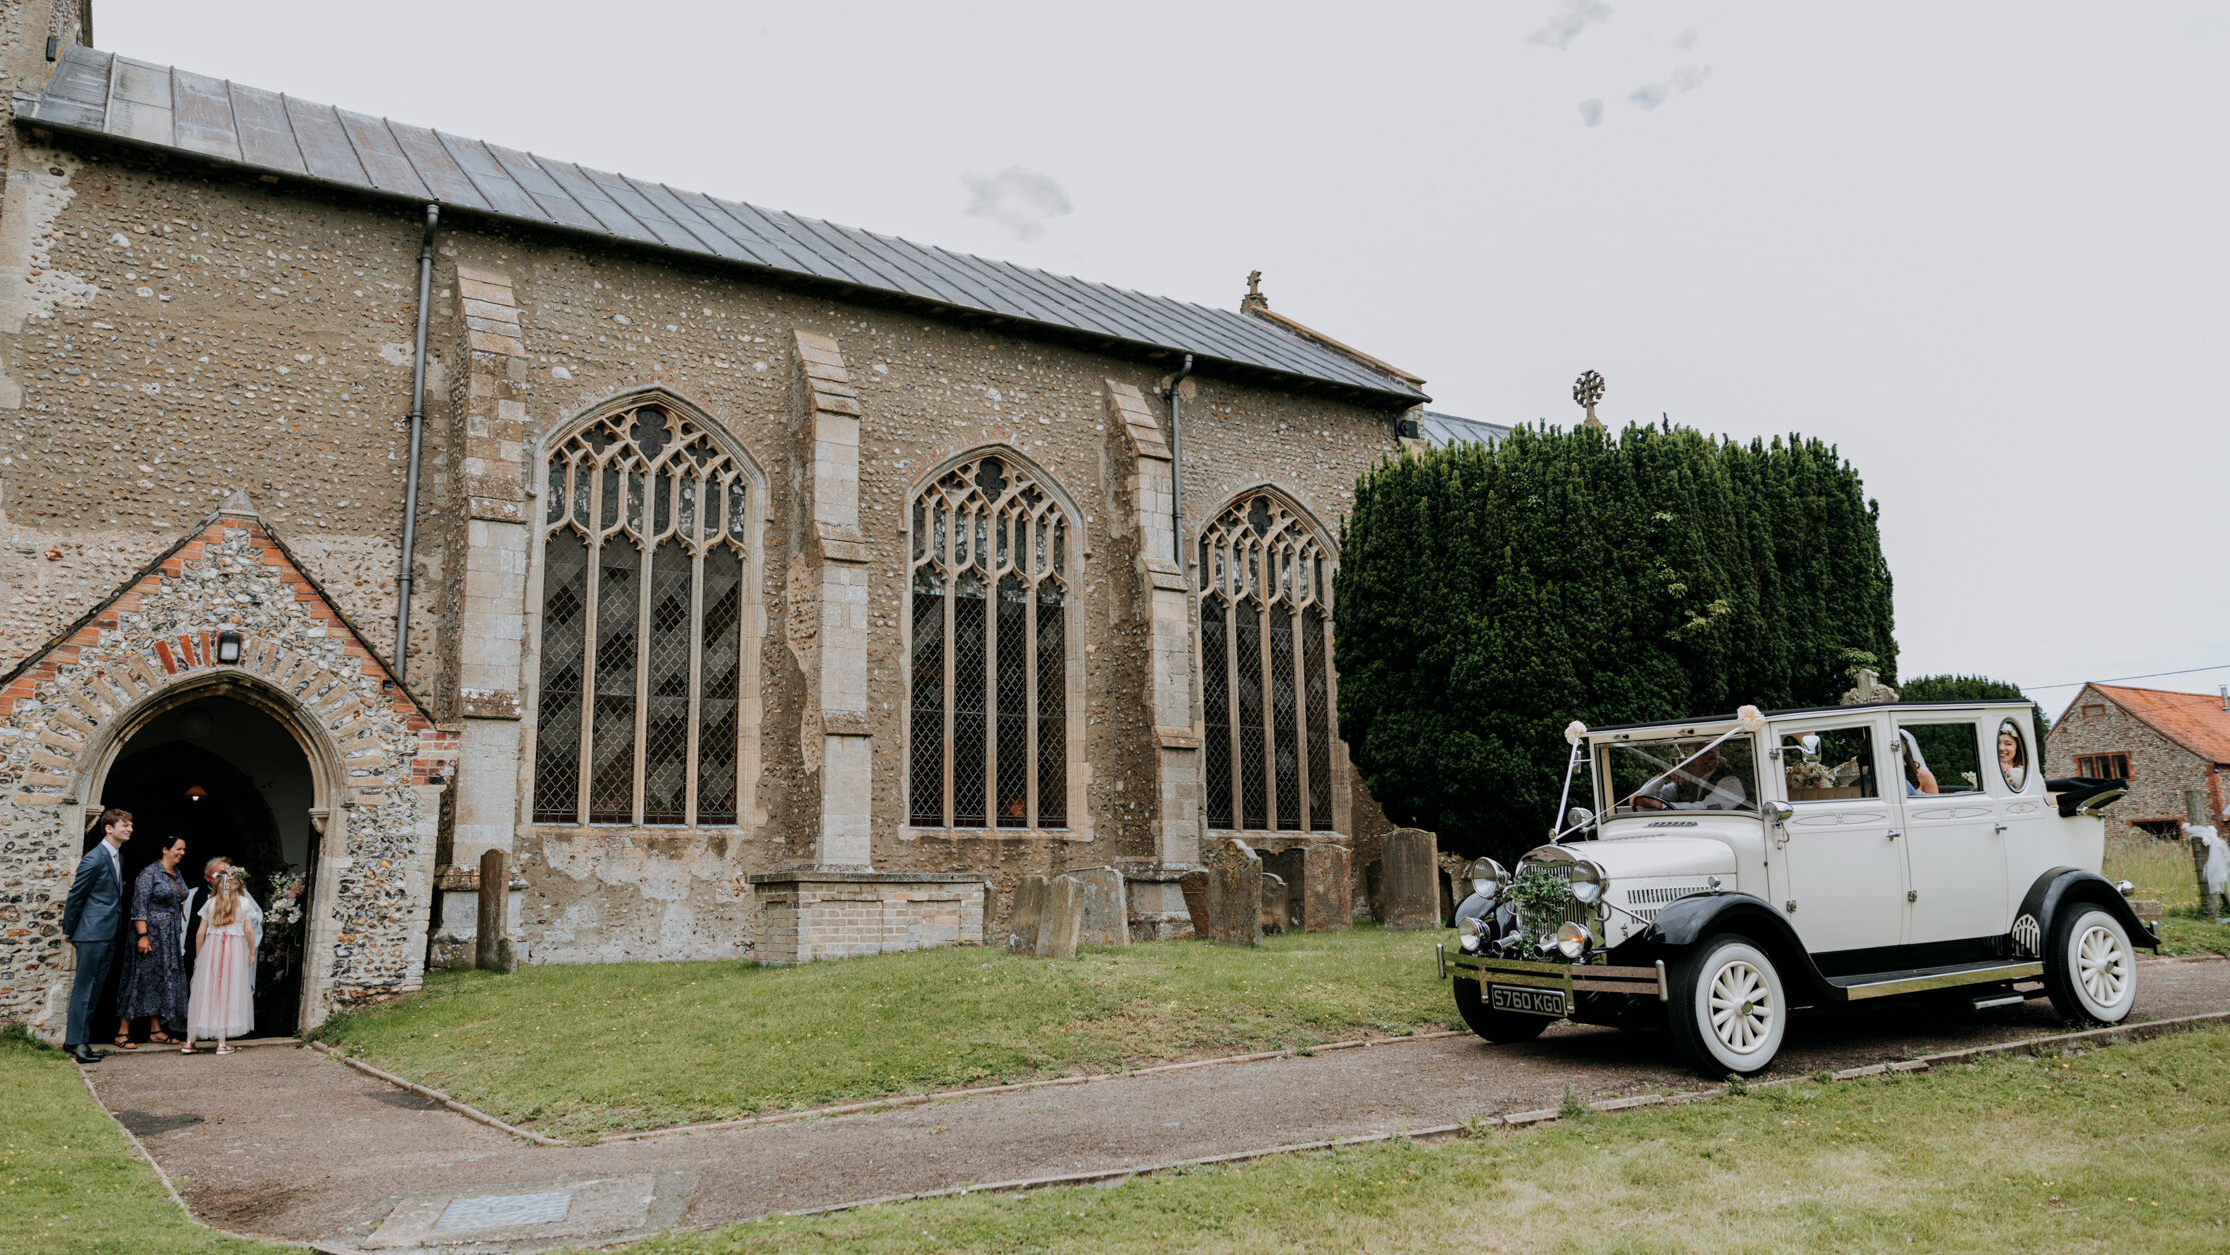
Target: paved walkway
point(287, 1143)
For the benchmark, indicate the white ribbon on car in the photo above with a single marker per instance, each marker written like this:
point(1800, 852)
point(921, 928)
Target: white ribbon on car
point(2216, 871)
point(1747, 719)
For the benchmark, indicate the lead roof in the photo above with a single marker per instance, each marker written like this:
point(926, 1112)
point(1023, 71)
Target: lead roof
point(100, 94)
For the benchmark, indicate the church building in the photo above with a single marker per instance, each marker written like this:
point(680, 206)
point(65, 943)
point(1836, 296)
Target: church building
point(376, 497)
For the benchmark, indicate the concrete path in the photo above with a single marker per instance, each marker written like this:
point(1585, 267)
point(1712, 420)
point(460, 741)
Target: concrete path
point(285, 1142)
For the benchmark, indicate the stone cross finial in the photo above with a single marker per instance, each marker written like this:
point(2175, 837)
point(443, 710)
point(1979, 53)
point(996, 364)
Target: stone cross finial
point(1587, 390)
point(1254, 298)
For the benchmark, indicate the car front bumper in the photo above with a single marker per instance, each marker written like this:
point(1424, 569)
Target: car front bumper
point(1571, 978)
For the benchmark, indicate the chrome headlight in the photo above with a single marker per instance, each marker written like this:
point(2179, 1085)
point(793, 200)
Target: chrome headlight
point(1571, 941)
point(1487, 877)
point(1588, 880)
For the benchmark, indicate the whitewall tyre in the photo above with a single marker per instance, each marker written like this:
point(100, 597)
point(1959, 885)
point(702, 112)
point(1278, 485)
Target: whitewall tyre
point(1729, 1011)
point(2090, 969)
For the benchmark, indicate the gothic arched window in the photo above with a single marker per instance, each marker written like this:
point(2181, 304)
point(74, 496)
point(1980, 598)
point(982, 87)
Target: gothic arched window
point(993, 557)
point(644, 556)
point(1265, 668)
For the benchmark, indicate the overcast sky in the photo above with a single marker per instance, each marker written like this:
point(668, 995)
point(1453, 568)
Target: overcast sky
point(1976, 245)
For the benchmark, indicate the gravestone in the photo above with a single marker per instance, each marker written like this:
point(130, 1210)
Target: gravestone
point(1274, 904)
point(1106, 907)
point(1289, 866)
point(1028, 910)
point(1409, 878)
point(1061, 919)
point(492, 950)
point(1327, 888)
point(1194, 885)
point(1234, 895)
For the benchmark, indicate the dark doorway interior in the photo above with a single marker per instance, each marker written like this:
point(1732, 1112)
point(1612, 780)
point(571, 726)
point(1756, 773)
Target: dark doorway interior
point(227, 777)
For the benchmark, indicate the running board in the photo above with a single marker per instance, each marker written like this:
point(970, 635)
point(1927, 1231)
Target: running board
point(1921, 980)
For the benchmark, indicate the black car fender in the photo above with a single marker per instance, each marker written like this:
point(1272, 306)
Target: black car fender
point(2066, 886)
point(1686, 921)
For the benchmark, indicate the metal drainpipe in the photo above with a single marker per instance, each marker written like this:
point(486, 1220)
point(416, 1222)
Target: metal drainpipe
point(417, 432)
point(1176, 481)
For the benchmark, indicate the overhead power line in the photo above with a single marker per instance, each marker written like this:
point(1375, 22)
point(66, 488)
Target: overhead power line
point(2026, 688)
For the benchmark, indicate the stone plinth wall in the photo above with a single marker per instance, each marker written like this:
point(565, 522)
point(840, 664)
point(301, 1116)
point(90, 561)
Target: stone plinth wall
point(804, 916)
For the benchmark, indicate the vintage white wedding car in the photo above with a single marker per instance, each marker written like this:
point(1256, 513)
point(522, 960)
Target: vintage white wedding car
point(1731, 869)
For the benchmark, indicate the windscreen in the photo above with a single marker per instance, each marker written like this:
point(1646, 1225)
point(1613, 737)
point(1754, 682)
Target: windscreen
point(1681, 774)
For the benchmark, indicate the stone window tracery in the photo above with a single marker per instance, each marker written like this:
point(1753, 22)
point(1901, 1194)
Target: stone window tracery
point(1266, 681)
point(644, 544)
point(993, 555)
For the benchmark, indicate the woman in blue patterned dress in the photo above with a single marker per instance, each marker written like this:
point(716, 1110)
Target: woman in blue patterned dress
point(154, 978)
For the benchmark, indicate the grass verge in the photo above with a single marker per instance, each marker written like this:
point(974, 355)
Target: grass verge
point(2122, 1149)
point(580, 1050)
point(2162, 871)
point(69, 1181)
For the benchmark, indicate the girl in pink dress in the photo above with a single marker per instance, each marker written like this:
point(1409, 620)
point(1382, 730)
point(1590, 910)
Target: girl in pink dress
point(222, 1003)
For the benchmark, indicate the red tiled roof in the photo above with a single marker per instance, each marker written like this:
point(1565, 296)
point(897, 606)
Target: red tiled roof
point(2195, 721)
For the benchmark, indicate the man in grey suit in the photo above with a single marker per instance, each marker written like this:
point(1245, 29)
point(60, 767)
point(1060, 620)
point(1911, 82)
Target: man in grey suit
point(91, 919)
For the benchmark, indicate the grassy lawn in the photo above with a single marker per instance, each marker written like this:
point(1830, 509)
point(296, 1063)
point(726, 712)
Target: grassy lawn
point(2162, 870)
point(2122, 1150)
point(580, 1050)
point(68, 1179)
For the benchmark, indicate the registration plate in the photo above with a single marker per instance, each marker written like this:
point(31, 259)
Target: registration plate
point(1526, 1000)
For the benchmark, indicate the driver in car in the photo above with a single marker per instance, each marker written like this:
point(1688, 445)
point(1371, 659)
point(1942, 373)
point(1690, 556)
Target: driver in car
point(1689, 787)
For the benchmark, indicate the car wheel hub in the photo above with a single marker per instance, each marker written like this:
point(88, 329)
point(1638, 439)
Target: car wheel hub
point(2101, 966)
point(1742, 1011)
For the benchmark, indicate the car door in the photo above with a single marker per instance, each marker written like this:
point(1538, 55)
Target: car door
point(2036, 838)
point(1955, 848)
point(1842, 870)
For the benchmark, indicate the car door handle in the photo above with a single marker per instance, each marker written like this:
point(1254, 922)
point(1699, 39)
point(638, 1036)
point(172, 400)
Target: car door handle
point(2001, 830)
point(1894, 834)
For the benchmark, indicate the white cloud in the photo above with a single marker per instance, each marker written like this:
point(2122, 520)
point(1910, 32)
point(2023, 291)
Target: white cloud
point(1019, 200)
point(1591, 111)
point(1685, 40)
point(1564, 25)
point(1685, 79)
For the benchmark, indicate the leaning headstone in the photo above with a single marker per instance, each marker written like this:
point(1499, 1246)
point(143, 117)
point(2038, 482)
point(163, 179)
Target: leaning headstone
point(1327, 888)
point(1274, 904)
point(1062, 919)
point(1410, 878)
point(1106, 907)
point(1374, 889)
point(1234, 895)
point(1022, 920)
point(1194, 885)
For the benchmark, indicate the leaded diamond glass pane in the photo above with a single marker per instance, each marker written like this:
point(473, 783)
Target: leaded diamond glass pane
point(969, 708)
point(611, 789)
point(1053, 758)
point(927, 741)
point(722, 681)
point(1318, 675)
point(1013, 679)
point(666, 717)
point(557, 737)
point(1253, 796)
point(1215, 704)
point(1285, 728)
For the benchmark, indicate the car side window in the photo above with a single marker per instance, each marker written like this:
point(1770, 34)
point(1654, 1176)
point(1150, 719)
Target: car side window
point(1941, 758)
point(1831, 764)
point(2013, 756)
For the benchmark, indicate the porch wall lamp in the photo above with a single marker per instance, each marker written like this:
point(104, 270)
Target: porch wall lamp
point(228, 647)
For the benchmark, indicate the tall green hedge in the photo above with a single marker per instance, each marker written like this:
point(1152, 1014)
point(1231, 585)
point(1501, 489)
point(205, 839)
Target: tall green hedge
point(1485, 597)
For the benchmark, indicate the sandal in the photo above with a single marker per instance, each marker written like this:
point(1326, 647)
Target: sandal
point(226, 1050)
point(160, 1038)
point(124, 1042)
point(185, 1050)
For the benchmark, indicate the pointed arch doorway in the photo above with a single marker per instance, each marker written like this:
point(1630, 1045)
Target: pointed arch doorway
point(222, 767)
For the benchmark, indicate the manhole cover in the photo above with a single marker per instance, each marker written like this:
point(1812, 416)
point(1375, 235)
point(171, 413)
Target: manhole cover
point(504, 1209)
